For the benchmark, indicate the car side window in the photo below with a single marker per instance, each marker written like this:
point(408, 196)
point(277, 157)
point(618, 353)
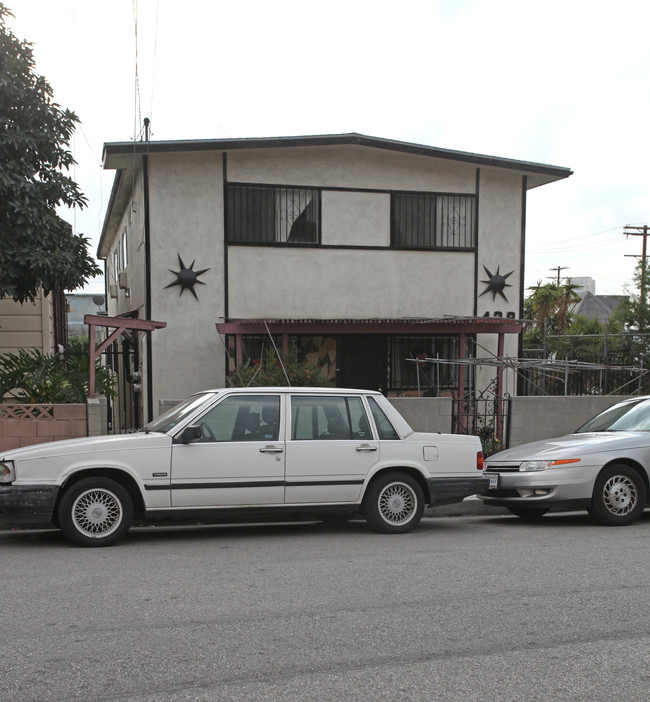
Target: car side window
point(242, 418)
point(327, 418)
point(384, 427)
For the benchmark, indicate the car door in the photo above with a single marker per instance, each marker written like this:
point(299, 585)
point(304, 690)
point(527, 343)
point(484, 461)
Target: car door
point(329, 449)
point(239, 459)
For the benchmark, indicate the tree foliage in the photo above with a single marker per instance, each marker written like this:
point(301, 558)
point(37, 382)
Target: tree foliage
point(37, 248)
point(34, 377)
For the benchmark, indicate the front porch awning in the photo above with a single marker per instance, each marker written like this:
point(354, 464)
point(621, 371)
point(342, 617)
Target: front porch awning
point(442, 325)
point(420, 325)
point(120, 325)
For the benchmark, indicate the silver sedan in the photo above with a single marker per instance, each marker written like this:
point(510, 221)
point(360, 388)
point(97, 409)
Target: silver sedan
point(603, 467)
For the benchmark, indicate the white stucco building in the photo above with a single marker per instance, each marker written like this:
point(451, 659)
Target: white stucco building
point(362, 252)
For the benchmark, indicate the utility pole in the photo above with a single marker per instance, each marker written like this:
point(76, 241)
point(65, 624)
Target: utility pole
point(629, 230)
point(558, 269)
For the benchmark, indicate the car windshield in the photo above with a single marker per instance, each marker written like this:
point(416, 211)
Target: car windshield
point(628, 416)
point(167, 421)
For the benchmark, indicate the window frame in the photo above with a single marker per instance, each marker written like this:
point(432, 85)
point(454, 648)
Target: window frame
point(235, 222)
point(431, 202)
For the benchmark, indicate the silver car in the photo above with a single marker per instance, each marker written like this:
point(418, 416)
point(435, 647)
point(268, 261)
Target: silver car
point(602, 467)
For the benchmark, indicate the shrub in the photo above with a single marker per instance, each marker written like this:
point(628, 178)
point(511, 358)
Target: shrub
point(34, 377)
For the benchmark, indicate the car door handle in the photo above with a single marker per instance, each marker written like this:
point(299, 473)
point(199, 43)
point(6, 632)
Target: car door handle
point(366, 447)
point(271, 449)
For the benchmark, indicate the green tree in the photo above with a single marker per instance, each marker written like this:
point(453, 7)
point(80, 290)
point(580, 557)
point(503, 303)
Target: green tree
point(551, 304)
point(37, 248)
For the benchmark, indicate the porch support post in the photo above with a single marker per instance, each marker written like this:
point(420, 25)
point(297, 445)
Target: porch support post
point(239, 351)
point(499, 397)
point(92, 356)
point(285, 343)
point(461, 384)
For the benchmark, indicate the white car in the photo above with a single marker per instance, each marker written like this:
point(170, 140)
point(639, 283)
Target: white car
point(326, 452)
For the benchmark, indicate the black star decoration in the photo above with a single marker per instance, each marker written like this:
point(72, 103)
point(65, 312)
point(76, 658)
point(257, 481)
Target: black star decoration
point(187, 278)
point(496, 283)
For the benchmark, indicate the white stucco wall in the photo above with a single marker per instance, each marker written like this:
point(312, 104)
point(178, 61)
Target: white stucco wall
point(350, 167)
point(348, 283)
point(186, 218)
point(355, 219)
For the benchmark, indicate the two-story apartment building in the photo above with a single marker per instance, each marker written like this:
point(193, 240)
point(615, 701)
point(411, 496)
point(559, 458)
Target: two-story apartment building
point(363, 253)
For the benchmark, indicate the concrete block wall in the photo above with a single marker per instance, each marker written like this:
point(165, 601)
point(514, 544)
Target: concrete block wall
point(25, 425)
point(536, 418)
point(431, 414)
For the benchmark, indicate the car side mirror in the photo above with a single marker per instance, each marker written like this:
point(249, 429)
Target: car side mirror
point(191, 433)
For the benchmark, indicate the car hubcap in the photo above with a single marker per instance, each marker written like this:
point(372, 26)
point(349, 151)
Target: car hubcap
point(97, 513)
point(620, 495)
point(397, 503)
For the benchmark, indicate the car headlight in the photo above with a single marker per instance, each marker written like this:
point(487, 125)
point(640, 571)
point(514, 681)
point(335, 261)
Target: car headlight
point(532, 466)
point(7, 472)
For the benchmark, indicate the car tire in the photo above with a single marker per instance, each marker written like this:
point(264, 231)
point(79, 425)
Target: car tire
point(394, 503)
point(619, 496)
point(95, 512)
point(528, 513)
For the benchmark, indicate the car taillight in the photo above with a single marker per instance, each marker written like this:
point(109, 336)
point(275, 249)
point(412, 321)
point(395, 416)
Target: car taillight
point(479, 461)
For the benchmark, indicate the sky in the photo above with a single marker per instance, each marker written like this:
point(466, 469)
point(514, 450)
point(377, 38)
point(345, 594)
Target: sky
point(564, 83)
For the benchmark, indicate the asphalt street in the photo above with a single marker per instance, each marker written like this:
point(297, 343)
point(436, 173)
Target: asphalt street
point(464, 608)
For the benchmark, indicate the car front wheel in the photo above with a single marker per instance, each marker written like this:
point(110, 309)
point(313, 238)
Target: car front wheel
point(95, 512)
point(394, 503)
point(619, 496)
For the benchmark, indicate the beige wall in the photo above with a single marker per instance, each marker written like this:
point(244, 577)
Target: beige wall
point(26, 326)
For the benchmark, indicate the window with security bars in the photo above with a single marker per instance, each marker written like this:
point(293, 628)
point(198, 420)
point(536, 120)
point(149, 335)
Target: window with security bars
point(427, 221)
point(273, 215)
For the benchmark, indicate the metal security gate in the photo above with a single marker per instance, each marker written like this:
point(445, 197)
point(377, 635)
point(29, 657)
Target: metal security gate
point(484, 416)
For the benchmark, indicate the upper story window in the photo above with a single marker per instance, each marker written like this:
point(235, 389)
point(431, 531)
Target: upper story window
point(428, 221)
point(273, 215)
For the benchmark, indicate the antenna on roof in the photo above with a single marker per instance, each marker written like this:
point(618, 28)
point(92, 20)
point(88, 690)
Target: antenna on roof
point(147, 122)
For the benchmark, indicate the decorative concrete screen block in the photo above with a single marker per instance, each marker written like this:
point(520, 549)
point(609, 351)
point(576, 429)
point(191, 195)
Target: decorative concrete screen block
point(27, 424)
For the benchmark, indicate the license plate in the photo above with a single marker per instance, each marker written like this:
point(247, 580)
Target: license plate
point(494, 481)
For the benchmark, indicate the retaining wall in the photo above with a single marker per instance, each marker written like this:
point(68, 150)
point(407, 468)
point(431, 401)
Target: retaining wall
point(25, 425)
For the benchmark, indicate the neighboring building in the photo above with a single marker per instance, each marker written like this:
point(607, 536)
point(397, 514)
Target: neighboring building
point(584, 285)
point(600, 307)
point(37, 325)
point(363, 252)
point(79, 305)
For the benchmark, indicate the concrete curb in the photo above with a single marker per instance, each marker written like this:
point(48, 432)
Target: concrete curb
point(469, 507)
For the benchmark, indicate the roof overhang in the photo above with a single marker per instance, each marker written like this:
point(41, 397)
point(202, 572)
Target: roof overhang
point(444, 325)
point(538, 173)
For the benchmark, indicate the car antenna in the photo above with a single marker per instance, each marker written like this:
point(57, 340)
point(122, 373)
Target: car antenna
point(277, 353)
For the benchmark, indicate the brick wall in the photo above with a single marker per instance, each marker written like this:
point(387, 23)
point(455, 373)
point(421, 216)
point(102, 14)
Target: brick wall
point(24, 425)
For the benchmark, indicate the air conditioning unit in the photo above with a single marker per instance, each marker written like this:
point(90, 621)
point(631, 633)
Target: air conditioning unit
point(123, 280)
point(112, 291)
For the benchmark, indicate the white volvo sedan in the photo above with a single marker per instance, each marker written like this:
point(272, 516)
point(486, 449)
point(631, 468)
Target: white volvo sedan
point(228, 453)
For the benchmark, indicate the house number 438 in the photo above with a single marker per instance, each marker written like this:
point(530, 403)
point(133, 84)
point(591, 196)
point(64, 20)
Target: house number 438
point(508, 315)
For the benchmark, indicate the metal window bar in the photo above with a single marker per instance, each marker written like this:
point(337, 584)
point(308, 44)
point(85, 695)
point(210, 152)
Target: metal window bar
point(426, 221)
point(268, 214)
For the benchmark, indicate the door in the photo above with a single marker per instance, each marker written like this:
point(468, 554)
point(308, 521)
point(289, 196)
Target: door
point(330, 449)
point(239, 459)
point(362, 362)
